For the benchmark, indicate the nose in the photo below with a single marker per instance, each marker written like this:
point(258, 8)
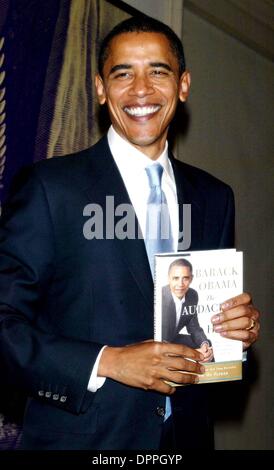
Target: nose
point(141, 86)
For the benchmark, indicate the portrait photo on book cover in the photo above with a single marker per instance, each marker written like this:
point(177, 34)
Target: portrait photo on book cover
point(180, 322)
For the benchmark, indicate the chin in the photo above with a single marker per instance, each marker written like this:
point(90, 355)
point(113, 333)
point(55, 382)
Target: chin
point(142, 141)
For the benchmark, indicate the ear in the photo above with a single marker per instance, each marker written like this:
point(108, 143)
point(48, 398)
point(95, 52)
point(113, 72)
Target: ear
point(184, 86)
point(100, 89)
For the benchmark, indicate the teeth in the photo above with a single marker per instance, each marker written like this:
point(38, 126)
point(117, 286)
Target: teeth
point(142, 110)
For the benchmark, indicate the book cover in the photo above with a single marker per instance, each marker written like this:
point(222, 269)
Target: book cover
point(189, 288)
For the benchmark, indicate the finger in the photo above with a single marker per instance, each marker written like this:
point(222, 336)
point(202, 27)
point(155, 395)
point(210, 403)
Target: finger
point(155, 382)
point(175, 363)
point(241, 335)
point(180, 377)
point(241, 323)
point(163, 387)
point(242, 299)
point(253, 336)
point(208, 356)
point(255, 314)
point(181, 350)
point(241, 311)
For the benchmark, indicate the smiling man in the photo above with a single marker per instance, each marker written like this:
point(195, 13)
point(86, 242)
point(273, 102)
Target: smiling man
point(141, 82)
point(76, 314)
point(179, 303)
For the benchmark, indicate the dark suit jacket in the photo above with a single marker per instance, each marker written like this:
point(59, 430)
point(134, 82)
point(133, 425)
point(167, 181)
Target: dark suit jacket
point(170, 332)
point(62, 297)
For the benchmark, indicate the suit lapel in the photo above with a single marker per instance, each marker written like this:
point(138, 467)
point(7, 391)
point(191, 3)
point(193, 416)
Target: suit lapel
point(188, 193)
point(107, 181)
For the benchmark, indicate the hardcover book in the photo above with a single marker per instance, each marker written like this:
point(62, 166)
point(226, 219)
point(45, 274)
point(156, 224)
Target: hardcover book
point(189, 288)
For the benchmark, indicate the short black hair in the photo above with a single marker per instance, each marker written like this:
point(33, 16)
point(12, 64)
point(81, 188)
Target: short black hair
point(142, 24)
point(180, 262)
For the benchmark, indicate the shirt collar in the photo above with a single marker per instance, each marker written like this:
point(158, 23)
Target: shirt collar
point(124, 153)
point(177, 300)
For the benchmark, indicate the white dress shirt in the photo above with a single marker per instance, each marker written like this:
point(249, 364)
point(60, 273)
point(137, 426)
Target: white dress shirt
point(131, 164)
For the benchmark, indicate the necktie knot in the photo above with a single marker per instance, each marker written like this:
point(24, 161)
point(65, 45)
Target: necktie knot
point(154, 173)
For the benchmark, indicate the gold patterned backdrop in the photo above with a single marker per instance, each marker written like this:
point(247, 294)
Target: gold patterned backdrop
point(74, 124)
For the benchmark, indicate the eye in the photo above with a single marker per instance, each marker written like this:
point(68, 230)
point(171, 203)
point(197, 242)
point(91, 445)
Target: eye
point(122, 75)
point(159, 73)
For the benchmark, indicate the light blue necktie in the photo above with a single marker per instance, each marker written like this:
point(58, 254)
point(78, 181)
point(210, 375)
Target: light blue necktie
point(158, 227)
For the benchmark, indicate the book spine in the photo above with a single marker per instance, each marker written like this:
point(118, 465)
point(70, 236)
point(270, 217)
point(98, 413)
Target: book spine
point(155, 298)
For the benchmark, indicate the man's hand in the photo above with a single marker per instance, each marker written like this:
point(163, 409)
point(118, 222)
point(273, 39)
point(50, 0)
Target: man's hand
point(239, 319)
point(207, 351)
point(148, 364)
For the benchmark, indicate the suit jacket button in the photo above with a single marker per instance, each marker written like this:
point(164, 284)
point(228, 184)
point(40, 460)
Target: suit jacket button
point(160, 411)
point(41, 393)
point(55, 396)
point(48, 394)
point(63, 398)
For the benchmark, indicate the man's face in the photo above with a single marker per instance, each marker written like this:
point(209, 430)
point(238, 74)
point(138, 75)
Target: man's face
point(141, 87)
point(179, 278)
